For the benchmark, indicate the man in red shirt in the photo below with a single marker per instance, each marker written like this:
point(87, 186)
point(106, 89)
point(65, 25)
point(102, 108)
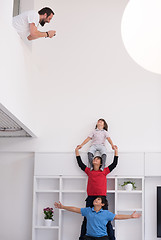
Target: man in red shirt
point(97, 185)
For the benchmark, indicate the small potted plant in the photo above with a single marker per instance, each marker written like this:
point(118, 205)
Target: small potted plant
point(129, 185)
point(48, 212)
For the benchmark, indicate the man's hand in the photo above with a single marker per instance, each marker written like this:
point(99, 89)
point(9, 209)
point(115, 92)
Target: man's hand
point(51, 33)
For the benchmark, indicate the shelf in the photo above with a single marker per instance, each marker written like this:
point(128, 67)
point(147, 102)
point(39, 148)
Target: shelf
point(131, 192)
point(43, 200)
point(47, 191)
point(129, 177)
point(47, 183)
point(73, 191)
point(137, 181)
point(63, 191)
point(47, 177)
point(110, 184)
point(73, 185)
point(129, 200)
point(48, 233)
point(130, 210)
point(74, 177)
point(74, 198)
point(46, 227)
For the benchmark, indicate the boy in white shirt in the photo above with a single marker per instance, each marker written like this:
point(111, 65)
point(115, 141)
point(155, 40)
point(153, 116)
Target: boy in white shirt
point(26, 23)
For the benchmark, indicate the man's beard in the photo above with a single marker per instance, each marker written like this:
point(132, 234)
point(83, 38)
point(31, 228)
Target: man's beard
point(42, 23)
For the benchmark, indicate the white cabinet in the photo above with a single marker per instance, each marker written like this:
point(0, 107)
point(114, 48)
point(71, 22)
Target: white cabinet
point(49, 189)
point(71, 190)
point(129, 164)
point(46, 190)
point(49, 164)
point(127, 202)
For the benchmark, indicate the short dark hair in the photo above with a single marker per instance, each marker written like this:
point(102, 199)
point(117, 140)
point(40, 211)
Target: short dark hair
point(104, 201)
point(46, 10)
point(100, 160)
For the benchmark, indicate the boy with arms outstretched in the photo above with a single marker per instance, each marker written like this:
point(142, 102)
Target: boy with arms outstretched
point(97, 218)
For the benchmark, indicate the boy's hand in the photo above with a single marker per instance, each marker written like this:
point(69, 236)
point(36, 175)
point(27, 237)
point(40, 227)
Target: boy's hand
point(58, 205)
point(116, 150)
point(113, 147)
point(135, 215)
point(79, 146)
point(77, 151)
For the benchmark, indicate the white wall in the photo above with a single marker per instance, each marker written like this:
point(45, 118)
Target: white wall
point(16, 181)
point(16, 68)
point(85, 73)
point(26, 5)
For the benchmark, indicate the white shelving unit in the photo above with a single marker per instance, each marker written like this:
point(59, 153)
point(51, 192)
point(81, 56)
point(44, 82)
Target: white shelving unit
point(47, 190)
point(127, 202)
point(71, 190)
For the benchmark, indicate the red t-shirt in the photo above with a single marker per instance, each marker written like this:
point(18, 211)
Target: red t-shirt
point(97, 182)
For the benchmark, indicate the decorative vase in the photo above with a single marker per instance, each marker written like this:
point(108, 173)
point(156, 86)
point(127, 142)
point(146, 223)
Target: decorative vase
point(128, 187)
point(48, 222)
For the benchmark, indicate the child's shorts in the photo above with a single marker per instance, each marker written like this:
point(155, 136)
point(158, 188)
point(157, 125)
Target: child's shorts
point(98, 147)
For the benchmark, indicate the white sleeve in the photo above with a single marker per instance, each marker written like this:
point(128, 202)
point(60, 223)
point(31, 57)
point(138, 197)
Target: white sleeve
point(91, 134)
point(33, 17)
point(107, 134)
